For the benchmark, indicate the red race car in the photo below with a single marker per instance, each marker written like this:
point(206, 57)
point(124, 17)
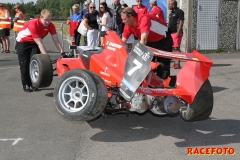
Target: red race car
point(103, 80)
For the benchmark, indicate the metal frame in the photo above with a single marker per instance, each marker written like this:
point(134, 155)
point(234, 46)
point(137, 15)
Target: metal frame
point(61, 29)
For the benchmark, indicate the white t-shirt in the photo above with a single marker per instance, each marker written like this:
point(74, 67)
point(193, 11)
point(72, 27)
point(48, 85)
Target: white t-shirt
point(107, 16)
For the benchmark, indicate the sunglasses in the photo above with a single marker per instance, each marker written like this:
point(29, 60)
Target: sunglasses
point(139, 1)
point(1, 6)
point(92, 7)
point(101, 7)
point(127, 13)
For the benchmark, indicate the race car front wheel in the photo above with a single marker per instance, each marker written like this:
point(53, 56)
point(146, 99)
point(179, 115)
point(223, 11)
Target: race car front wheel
point(80, 95)
point(41, 70)
point(202, 106)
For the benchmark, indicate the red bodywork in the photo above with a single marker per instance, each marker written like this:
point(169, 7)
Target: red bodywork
point(110, 63)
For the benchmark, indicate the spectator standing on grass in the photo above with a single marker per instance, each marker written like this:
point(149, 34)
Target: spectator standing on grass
point(106, 19)
point(140, 8)
point(90, 22)
point(157, 11)
point(117, 21)
point(176, 19)
point(74, 22)
point(19, 21)
point(5, 26)
point(29, 42)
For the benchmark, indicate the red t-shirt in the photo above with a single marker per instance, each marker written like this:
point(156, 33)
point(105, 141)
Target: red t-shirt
point(141, 10)
point(156, 27)
point(156, 11)
point(35, 29)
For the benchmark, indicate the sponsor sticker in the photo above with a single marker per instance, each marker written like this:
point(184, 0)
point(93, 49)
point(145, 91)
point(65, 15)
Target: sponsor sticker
point(111, 44)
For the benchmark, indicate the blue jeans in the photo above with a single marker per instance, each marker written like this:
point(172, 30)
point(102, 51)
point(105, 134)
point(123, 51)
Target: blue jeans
point(118, 29)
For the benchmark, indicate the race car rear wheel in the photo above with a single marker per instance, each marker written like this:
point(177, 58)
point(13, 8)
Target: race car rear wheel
point(80, 95)
point(202, 106)
point(41, 70)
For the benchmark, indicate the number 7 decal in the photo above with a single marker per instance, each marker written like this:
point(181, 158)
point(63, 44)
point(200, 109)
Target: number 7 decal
point(138, 65)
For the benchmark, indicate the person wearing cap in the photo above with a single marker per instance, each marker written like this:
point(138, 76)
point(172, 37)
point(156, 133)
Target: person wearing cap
point(74, 23)
point(157, 11)
point(140, 8)
point(152, 32)
point(29, 43)
point(19, 21)
point(5, 26)
point(176, 20)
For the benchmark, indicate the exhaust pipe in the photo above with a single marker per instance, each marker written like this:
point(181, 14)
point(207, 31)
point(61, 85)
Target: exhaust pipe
point(165, 105)
point(171, 105)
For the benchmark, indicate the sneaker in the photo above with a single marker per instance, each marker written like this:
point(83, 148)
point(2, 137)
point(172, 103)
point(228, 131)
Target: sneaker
point(34, 88)
point(26, 88)
point(177, 66)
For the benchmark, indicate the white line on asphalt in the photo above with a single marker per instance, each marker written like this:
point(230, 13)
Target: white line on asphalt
point(9, 67)
point(16, 140)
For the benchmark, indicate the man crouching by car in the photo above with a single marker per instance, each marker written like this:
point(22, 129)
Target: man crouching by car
point(29, 42)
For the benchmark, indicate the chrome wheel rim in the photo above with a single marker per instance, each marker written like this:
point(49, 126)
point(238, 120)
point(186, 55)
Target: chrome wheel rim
point(74, 94)
point(34, 71)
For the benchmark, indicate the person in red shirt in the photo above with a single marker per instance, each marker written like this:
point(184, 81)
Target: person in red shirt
point(157, 11)
point(140, 8)
point(29, 42)
point(152, 32)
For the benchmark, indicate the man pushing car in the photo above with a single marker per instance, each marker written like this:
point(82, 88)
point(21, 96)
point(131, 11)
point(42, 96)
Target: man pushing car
point(29, 42)
point(151, 31)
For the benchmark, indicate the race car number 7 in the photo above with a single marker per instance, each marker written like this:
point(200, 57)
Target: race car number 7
point(138, 66)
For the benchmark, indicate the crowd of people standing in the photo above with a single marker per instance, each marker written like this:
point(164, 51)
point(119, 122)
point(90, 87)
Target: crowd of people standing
point(129, 23)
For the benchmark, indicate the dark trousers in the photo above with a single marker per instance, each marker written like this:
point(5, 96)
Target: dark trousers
point(77, 37)
point(25, 51)
point(163, 71)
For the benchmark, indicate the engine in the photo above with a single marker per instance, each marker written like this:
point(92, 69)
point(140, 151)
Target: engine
point(140, 103)
point(158, 105)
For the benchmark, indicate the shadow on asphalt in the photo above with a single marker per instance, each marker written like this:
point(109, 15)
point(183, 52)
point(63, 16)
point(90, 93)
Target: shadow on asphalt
point(221, 65)
point(218, 89)
point(49, 94)
point(211, 132)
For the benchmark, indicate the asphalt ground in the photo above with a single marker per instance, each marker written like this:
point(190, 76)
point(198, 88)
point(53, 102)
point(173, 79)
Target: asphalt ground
point(31, 127)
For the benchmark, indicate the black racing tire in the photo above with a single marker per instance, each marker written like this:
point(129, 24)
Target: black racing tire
point(202, 106)
point(80, 95)
point(41, 70)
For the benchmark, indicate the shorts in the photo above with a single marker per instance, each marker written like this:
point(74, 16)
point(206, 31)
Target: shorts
point(102, 33)
point(4, 32)
point(176, 40)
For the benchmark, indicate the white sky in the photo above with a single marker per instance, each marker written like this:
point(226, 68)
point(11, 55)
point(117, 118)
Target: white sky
point(18, 1)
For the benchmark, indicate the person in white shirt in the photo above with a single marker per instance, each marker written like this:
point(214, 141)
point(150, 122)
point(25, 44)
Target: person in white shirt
point(106, 20)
